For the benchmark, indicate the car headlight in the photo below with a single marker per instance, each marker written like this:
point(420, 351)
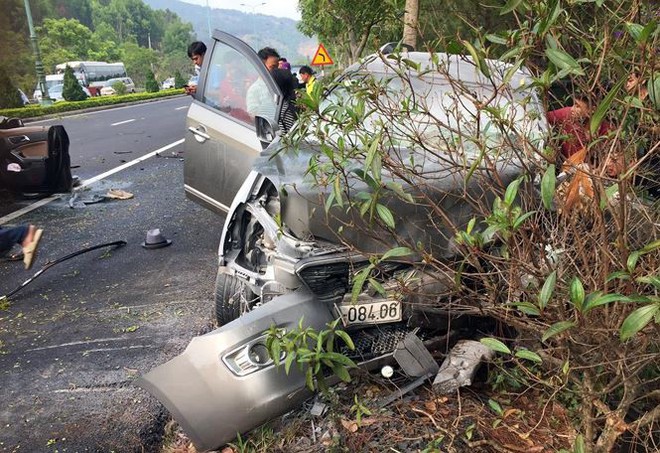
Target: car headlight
point(249, 358)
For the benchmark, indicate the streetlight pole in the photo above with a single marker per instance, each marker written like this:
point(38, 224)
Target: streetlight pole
point(41, 78)
point(208, 18)
point(254, 22)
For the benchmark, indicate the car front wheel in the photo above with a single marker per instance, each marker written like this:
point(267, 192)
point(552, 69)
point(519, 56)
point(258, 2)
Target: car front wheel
point(232, 298)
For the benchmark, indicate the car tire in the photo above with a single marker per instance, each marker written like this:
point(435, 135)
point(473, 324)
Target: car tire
point(232, 298)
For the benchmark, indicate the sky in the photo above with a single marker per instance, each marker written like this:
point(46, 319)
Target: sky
point(277, 8)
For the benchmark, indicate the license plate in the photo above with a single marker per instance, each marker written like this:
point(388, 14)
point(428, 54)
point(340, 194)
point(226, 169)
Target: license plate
point(370, 313)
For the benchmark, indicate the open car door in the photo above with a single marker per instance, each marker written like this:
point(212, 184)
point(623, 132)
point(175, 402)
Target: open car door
point(233, 116)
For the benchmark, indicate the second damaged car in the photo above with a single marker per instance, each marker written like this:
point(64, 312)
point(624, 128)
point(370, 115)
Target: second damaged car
point(303, 241)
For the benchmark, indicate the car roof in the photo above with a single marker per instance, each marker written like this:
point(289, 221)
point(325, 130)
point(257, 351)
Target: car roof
point(460, 67)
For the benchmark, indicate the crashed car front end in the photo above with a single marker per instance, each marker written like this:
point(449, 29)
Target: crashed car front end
point(225, 382)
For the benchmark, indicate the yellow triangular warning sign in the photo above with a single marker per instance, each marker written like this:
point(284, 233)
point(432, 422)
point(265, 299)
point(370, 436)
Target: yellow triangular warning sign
point(322, 57)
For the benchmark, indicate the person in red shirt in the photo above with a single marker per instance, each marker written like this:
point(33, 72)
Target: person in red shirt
point(573, 122)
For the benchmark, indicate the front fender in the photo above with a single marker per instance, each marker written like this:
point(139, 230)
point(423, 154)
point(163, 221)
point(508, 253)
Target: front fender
point(213, 404)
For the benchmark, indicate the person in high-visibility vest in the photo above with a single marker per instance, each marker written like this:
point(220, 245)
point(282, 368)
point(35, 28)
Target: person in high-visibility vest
point(307, 76)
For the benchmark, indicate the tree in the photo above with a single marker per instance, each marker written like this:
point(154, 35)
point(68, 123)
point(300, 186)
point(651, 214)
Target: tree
point(410, 23)
point(151, 85)
point(72, 91)
point(63, 40)
point(179, 81)
point(9, 96)
point(138, 61)
point(347, 26)
point(571, 275)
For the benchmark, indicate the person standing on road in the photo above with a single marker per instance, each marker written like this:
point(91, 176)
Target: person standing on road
point(196, 52)
point(258, 98)
point(307, 76)
point(26, 235)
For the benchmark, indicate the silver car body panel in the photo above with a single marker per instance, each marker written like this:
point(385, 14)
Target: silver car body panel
point(220, 148)
point(214, 404)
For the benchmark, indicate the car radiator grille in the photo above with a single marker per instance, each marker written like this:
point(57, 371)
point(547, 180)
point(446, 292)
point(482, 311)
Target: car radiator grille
point(329, 282)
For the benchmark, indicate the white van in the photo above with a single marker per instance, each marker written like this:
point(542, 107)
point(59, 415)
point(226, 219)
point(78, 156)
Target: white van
point(51, 81)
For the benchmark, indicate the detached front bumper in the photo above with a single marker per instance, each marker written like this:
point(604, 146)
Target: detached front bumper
point(214, 394)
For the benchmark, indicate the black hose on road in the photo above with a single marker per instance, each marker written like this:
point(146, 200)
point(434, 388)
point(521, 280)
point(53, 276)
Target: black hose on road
point(115, 244)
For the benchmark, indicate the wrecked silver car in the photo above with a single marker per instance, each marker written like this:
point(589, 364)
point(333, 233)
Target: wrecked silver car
point(284, 257)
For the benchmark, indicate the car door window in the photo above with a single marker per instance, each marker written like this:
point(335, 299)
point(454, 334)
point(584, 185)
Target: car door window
point(235, 86)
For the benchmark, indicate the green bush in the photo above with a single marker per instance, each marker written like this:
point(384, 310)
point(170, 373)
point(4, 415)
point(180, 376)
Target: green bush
point(119, 88)
point(72, 91)
point(32, 111)
point(151, 85)
point(179, 81)
point(9, 97)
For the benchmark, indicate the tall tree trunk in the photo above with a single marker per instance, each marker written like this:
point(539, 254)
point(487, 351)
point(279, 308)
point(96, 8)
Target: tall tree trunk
point(411, 23)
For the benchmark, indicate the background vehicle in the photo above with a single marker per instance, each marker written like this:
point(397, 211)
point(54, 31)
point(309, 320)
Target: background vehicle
point(55, 92)
point(280, 258)
point(167, 83)
point(92, 74)
point(108, 90)
point(51, 81)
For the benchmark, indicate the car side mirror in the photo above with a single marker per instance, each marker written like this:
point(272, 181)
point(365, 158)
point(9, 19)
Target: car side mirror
point(266, 130)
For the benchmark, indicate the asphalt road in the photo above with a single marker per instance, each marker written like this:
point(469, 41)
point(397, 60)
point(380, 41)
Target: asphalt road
point(73, 341)
point(106, 139)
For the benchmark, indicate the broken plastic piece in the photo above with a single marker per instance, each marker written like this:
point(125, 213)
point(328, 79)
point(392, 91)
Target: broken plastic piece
point(460, 365)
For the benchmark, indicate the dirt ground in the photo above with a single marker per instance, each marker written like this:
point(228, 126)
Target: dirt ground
point(419, 422)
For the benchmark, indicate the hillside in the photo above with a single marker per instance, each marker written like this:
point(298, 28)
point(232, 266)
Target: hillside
point(258, 30)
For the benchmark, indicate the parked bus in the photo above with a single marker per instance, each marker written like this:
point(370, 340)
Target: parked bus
point(92, 74)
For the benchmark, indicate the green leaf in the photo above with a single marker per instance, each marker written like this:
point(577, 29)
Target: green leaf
point(495, 345)
point(548, 183)
point(521, 219)
point(375, 284)
point(495, 406)
point(649, 280)
point(358, 283)
point(288, 360)
point(528, 355)
point(347, 339)
point(496, 39)
point(637, 320)
point(619, 275)
point(579, 442)
point(342, 373)
point(385, 215)
point(556, 328)
point(528, 308)
point(597, 299)
point(477, 58)
point(632, 261)
point(577, 294)
point(547, 290)
point(512, 191)
point(650, 247)
point(603, 107)
point(396, 252)
point(510, 6)
point(309, 379)
point(653, 87)
point(635, 30)
point(564, 61)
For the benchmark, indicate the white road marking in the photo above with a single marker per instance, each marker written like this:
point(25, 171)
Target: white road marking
point(87, 182)
point(182, 107)
point(123, 122)
point(85, 342)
